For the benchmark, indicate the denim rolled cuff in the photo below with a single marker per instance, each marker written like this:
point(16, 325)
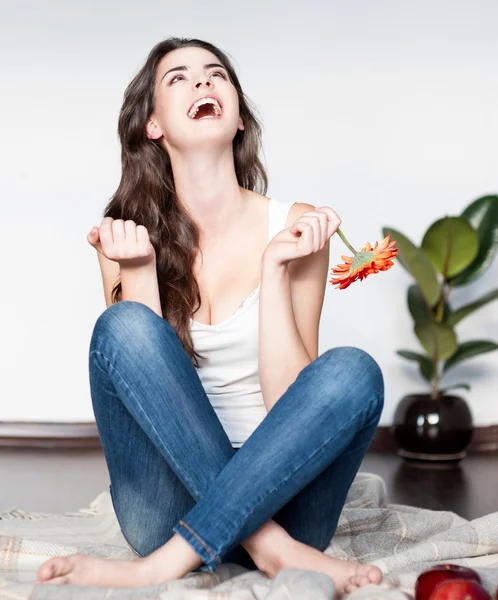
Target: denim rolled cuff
point(211, 560)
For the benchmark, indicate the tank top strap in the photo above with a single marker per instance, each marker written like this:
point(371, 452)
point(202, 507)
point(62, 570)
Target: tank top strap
point(278, 212)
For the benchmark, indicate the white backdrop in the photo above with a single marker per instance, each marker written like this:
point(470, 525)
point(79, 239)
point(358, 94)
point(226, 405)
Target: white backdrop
point(384, 110)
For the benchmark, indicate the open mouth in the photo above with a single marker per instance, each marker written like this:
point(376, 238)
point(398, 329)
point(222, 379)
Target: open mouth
point(205, 108)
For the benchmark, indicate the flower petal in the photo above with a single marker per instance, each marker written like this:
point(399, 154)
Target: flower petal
point(368, 261)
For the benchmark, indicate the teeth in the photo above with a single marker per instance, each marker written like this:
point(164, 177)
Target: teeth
point(193, 111)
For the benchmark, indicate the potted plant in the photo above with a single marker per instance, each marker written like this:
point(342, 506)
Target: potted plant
point(455, 251)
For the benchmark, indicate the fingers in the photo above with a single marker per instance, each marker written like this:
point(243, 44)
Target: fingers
point(334, 221)
point(112, 236)
point(322, 228)
point(118, 233)
point(123, 241)
point(318, 224)
point(93, 236)
point(307, 240)
point(316, 231)
point(105, 230)
point(142, 237)
point(130, 229)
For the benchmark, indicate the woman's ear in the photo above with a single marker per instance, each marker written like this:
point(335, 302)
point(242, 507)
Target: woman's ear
point(241, 124)
point(153, 131)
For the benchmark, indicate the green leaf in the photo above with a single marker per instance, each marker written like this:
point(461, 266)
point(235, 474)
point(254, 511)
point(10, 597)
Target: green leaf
point(463, 311)
point(417, 263)
point(482, 214)
point(427, 371)
point(468, 350)
point(454, 385)
point(416, 304)
point(418, 308)
point(452, 244)
point(425, 363)
point(436, 338)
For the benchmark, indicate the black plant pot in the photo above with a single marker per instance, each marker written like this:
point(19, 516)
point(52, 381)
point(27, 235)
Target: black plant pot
point(432, 430)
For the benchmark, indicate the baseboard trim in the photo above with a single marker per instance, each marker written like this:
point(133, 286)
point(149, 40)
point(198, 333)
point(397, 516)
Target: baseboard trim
point(48, 435)
point(85, 435)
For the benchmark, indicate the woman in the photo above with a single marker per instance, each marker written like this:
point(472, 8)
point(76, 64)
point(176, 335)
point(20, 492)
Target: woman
point(248, 459)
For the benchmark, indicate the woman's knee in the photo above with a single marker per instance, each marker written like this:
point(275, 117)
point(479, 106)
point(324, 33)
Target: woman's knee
point(127, 320)
point(358, 371)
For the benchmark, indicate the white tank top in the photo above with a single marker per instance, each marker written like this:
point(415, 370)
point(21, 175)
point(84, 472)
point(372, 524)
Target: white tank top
point(229, 373)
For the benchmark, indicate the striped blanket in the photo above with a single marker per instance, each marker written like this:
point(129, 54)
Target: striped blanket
point(401, 540)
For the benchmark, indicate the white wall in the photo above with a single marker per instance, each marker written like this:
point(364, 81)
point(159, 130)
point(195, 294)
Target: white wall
point(384, 110)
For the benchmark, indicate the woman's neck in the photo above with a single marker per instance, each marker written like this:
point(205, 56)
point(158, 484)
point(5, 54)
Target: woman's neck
point(207, 186)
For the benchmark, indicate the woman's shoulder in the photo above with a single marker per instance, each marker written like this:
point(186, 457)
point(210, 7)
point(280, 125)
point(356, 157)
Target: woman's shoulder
point(296, 210)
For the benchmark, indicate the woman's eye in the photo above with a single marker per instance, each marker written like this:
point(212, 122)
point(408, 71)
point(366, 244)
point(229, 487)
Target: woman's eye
point(214, 73)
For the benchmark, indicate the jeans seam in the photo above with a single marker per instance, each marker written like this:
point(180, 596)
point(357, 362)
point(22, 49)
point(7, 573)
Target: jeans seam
point(268, 494)
point(189, 529)
point(142, 411)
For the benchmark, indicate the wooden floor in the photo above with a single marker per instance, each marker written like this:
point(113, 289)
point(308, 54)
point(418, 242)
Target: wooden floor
point(56, 481)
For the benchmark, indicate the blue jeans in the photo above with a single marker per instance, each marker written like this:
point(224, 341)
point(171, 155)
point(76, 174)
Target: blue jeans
point(172, 467)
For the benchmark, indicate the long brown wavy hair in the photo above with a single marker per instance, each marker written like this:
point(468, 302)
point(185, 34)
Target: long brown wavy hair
point(147, 195)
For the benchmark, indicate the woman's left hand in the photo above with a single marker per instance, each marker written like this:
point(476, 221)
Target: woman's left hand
point(308, 234)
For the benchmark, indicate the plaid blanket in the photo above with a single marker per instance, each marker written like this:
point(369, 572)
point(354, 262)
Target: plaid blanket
point(401, 540)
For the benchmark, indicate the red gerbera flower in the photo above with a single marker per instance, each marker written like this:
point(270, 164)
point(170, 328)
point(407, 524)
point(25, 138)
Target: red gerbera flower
point(361, 264)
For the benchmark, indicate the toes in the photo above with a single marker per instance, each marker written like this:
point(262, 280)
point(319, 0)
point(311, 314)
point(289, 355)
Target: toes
point(374, 575)
point(358, 580)
point(350, 587)
point(55, 567)
point(47, 570)
point(365, 577)
point(57, 581)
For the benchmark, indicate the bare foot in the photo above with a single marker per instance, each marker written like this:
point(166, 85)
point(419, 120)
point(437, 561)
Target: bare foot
point(169, 562)
point(346, 576)
point(82, 569)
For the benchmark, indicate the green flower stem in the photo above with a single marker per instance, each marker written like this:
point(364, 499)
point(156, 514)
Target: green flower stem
point(344, 239)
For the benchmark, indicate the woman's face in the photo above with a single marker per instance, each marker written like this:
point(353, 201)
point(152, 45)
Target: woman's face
point(184, 76)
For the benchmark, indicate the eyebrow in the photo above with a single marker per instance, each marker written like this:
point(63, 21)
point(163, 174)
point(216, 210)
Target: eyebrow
point(185, 68)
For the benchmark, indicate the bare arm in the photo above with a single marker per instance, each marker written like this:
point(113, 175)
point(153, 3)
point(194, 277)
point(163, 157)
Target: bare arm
point(291, 301)
point(282, 354)
point(138, 284)
point(110, 274)
point(125, 252)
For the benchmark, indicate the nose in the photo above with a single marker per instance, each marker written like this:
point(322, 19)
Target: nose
point(202, 80)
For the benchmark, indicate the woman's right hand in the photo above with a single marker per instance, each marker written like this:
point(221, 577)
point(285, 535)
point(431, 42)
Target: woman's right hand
point(125, 242)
